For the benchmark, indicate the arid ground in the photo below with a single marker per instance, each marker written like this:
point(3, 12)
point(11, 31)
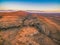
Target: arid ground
point(23, 28)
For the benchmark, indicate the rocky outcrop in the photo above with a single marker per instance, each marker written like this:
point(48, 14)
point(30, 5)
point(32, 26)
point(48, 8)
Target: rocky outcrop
point(28, 30)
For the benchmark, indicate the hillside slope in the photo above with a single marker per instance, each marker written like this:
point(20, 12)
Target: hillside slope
point(22, 28)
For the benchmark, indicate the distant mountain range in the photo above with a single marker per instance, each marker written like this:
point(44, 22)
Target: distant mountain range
point(7, 10)
point(36, 11)
point(30, 11)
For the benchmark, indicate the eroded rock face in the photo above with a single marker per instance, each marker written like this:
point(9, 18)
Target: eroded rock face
point(27, 30)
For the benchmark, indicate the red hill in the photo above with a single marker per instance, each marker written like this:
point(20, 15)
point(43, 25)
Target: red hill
point(23, 28)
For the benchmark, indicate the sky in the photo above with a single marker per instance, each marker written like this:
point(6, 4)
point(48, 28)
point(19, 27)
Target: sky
point(43, 5)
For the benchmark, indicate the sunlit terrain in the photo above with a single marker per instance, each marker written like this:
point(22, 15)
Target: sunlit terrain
point(29, 28)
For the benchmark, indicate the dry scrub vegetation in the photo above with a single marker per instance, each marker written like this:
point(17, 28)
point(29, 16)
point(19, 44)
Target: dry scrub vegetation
point(28, 30)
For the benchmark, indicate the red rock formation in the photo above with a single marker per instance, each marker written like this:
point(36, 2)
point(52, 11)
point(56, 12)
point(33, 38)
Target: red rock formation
point(22, 28)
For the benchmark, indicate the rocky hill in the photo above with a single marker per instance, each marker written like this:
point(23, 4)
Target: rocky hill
point(23, 28)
